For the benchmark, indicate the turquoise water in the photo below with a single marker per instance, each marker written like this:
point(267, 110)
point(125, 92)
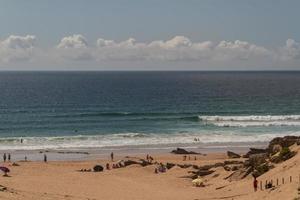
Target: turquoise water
point(104, 109)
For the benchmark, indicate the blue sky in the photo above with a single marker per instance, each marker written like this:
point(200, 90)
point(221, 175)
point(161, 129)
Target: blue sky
point(261, 27)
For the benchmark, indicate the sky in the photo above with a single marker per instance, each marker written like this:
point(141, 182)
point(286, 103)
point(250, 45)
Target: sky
point(149, 35)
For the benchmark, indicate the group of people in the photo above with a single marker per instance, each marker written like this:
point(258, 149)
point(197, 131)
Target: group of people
point(6, 157)
point(189, 158)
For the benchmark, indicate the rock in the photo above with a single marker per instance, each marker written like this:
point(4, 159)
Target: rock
point(183, 151)
point(239, 174)
point(254, 151)
point(98, 168)
point(130, 162)
point(258, 159)
point(170, 165)
point(184, 166)
point(3, 188)
point(204, 172)
point(286, 141)
point(15, 164)
point(233, 162)
point(231, 154)
point(283, 155)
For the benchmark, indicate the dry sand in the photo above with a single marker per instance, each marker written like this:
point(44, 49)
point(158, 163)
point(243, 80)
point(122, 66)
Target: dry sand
point(61, 180)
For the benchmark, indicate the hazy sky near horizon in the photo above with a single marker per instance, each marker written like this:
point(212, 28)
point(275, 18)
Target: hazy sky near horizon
point(149, 35)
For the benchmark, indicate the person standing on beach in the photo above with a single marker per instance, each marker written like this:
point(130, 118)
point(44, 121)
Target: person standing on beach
point(255, 184)
point(112, 156)
point(4, 157)
point(9, 157)
point(45, 158)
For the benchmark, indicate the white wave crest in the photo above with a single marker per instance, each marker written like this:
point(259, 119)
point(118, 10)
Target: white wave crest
point(252, 120)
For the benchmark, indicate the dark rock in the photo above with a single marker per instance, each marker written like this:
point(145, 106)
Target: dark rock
point(231, 154)
point(233, 162)
point(170, 165)
point(184, 166)
point(204, 172)
point(183, 151)
point(98, 168)
point(286, 141)
point(254, 151)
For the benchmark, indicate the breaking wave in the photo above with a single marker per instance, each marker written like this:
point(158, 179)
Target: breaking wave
point(252, 120)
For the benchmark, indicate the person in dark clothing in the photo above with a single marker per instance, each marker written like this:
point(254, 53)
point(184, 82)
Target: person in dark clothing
point(4, 157)
point(45, 158)
point(112, 156)
point(255, 183)
point(9, 157)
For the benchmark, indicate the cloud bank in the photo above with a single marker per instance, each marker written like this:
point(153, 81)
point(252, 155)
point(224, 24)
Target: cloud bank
point(77, 49)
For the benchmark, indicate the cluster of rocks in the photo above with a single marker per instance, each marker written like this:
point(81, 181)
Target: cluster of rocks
point(255, 161)
point(259, 161)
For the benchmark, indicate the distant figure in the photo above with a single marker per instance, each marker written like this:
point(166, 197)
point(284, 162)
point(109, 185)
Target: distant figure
point(4, 157)
point(9, 157)
point(147, 157)
point(107, 166)
point(150, 159)
point(255, 183)
point(184, 158)
point(45, 158)
point(25, 158)
point(112, 156)
point(21, 140)
point(195, 158)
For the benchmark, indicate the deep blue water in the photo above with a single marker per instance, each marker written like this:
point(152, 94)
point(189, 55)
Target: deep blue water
point(96, 109)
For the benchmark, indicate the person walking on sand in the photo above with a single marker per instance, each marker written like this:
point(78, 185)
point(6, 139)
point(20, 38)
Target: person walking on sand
point(9, 157)
point(4, 157)
point(112, 156)
point(45, 158)
point(255, 184)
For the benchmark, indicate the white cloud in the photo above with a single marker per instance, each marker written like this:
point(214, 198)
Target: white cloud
point(17, 48)
point(177, 48)
point(290, 51)
point(76, 49)
point(76, 41)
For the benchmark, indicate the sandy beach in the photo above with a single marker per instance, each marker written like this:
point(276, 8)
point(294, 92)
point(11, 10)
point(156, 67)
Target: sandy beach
point(62, 180)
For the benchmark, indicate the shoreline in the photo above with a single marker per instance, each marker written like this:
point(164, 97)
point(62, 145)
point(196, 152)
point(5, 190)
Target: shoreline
point(70, 154)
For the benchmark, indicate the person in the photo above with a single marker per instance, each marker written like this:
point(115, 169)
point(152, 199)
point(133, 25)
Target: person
point(255, 182)
point(195, 158)
point(147, 157)
point(184, 158)
point(9, 157)
point(25, 158)
point(21, 140)
point(4, 157)
point(107, 166)
point(112, 156)
point(45, 158)
point(151, 159)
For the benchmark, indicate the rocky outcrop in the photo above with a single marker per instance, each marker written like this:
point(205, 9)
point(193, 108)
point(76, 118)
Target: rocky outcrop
point(183, 151)
point(231, 154)
point(254, 151)
point(281, 142)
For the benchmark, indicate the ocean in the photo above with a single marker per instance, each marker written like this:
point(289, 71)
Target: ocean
point(74, 110)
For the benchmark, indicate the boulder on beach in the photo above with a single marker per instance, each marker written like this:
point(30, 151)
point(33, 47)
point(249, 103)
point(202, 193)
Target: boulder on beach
point(254, 151)
point(98, 168)
point(183, 151)
point(231, 154)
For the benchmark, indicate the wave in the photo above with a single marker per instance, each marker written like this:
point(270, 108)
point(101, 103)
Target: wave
point(135, 140)
point(252, 120)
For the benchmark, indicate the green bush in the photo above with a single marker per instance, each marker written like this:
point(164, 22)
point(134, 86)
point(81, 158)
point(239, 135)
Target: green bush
point(285, 152)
